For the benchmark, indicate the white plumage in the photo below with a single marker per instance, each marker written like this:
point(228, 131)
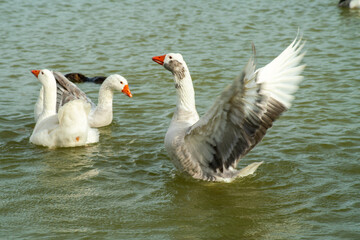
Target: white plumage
point(101, 114)
point(210, 147)
point(67, 128)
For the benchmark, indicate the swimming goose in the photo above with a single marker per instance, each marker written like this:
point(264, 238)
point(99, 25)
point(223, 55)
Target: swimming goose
point(67, 128)
point(209, 148)
point(100, 114)
point(80, 78)
point(349, 3)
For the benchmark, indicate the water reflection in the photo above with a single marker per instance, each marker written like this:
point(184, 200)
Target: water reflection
point(246, 208)
point(349, 13)
point(66, 168)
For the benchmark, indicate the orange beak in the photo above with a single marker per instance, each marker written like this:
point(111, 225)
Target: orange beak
point(159, 59)
point(126, 91)
point(35, 72)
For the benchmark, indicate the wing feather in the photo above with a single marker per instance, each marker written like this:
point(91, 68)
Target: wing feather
point(244, 111)
point(67, 91)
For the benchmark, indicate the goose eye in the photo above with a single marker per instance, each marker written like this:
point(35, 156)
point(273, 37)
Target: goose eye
point(170, 57)
point(42, 72)
point(121, 82)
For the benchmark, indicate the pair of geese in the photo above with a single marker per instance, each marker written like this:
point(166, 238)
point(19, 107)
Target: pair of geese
point(207, 148)
point(65, 116)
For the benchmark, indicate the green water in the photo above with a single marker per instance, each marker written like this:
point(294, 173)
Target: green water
point(125, 187)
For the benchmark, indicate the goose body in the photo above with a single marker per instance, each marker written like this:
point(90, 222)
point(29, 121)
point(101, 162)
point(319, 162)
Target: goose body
point(67, 128)
point(210, 147)
point(100, 114)
point(349, 3)
point(80, 78)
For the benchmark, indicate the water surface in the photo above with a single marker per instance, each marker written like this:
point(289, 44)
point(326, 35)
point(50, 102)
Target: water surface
point(125, 187)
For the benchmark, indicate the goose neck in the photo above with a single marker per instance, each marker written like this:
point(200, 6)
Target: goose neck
point(185, 93)
point(49, 97)
point(105, 96)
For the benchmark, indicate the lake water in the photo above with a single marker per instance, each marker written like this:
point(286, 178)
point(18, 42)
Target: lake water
point(125, 187)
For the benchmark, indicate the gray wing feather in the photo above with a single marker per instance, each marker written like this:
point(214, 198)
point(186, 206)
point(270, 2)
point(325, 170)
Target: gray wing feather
point(241, 115)
point(67, 91)
point(235, 124)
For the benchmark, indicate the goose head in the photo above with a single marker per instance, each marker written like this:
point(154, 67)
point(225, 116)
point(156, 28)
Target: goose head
point(118, 83)
point(44, 76)
point(173, 62)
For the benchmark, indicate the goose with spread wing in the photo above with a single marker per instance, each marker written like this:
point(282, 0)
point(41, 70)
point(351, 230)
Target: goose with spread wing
point(101, 114)
point(209, 148)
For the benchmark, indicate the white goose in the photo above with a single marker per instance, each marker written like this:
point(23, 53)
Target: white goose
point(100, 115)
point(67, 128)
point(349, 3)
point(210, 148)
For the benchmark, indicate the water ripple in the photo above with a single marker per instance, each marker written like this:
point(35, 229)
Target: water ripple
point(125, 186)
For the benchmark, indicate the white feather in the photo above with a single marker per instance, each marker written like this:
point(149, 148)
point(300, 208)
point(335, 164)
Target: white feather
point(283, 69)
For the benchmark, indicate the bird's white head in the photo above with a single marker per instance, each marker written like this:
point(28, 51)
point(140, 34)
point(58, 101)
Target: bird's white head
point(44, 75)
point(173, 62)
point(118, 83)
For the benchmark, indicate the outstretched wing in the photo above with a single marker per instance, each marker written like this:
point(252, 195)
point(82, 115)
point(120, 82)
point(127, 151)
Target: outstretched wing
point(67, 91)
point(244, 111)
